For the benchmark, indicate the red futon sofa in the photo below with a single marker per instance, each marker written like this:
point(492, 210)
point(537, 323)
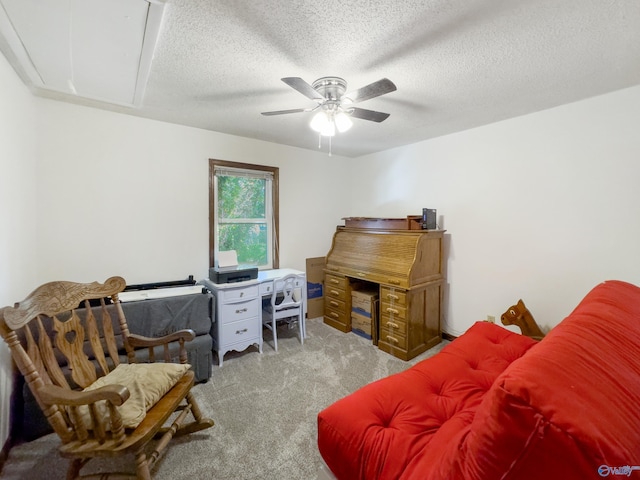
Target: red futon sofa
point(496, 405)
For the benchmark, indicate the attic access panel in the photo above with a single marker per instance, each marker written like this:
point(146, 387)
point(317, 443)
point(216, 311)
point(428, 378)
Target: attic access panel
point(96, 49)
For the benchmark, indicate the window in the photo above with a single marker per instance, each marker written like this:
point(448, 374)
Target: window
point(243, 212)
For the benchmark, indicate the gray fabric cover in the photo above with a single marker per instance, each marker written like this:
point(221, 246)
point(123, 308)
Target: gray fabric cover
point(162, 316)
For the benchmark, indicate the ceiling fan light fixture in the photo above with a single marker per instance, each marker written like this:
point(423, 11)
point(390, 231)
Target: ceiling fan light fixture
point(343, 122)
point(329, 130)
point(319, 121)
point(323, 123)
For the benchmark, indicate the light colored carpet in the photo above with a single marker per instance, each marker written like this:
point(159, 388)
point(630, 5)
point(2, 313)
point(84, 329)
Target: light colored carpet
point(265, 408)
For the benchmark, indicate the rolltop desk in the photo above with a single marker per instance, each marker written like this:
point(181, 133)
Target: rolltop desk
point(406, 268)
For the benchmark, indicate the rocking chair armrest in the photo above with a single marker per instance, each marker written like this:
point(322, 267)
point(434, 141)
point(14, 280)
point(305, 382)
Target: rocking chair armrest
point(186, 335)
point(52, 394)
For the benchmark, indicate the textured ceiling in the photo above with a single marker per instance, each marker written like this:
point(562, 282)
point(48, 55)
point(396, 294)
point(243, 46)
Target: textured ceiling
point(457, 64)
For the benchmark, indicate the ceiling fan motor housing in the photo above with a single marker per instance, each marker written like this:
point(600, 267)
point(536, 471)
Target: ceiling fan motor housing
point(332, 88)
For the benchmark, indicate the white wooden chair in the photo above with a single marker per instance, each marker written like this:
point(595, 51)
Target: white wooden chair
point(286, 304)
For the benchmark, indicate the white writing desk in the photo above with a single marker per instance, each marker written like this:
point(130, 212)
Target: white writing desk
point(238, 311)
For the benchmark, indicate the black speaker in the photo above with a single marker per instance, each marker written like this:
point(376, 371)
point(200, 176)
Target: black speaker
point(428, 218)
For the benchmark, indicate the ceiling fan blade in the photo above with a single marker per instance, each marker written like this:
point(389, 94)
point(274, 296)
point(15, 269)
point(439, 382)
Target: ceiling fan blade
point(372, 90)
point(303, 87)
point(282, 112)
point(365, 114)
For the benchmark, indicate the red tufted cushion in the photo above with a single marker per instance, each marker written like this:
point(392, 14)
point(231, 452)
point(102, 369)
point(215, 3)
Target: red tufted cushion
point(571, 405)
point(404, 423)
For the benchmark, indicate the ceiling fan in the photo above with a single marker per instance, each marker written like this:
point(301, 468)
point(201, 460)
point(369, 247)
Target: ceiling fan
point(334, 102)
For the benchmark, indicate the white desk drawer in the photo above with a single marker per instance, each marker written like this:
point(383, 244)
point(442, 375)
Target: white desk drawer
point(239, 331)
point(237, 311)
point(266, 288)
point(238, 294)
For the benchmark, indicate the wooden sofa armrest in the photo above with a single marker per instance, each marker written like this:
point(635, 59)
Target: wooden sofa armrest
point(181, 336)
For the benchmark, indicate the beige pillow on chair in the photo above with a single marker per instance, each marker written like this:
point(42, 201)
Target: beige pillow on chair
point(146, 382)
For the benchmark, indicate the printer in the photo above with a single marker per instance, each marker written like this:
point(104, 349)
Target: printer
point(239, 273)
point(227, 269)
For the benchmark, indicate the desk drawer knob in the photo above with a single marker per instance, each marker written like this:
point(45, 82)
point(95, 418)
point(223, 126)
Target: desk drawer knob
point(241, 310)
point(334, 315)
point(335, 293)
point(390, 296)
point(333, 303)
point(392, 310)
point(394, 282)
point(334, 281)
point(392, 325)
point(244, 330)
point(392, 339)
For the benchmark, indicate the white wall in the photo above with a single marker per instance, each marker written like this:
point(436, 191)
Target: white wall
point(17, 211)
point(124, 195)
point(541, 207)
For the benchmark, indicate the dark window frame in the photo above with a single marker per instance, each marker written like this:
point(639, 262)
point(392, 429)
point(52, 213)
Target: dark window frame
point(213, 205)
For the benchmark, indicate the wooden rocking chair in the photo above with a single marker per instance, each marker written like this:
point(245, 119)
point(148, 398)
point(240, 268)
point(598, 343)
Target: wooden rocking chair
point(69, 351)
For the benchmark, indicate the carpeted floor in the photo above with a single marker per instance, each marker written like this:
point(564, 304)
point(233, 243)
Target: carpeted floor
point(264, 406)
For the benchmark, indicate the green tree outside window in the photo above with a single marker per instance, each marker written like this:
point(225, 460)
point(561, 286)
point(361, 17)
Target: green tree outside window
point(242, 222)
